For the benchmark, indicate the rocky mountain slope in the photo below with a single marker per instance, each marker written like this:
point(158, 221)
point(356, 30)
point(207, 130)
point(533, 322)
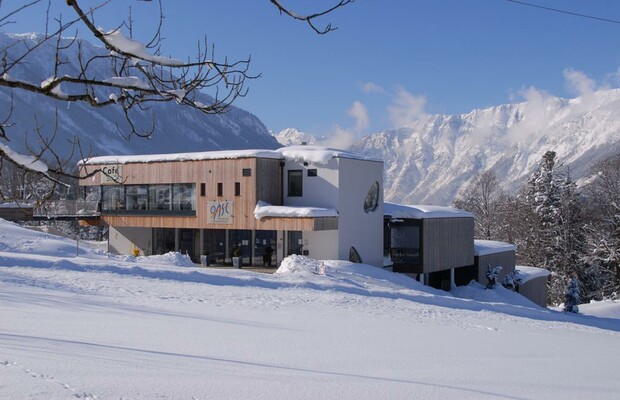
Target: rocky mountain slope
point(433, 160)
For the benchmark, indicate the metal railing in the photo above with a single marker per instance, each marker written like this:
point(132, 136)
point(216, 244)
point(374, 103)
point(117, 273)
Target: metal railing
point(68, 209)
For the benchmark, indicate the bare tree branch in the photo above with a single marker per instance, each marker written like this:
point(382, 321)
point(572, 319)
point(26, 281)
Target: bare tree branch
point(309, 19)
point(135, 76)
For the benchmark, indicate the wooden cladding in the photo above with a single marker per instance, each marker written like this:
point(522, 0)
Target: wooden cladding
point(236, 183)
point(447, 243)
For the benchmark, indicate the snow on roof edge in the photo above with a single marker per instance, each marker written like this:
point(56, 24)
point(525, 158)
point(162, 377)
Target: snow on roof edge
point(264, 210)
point(394, 210)
point(527, 273)
point(312, 154)
point(486, 247)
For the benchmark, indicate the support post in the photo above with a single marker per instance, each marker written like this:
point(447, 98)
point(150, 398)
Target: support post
point(452, 284)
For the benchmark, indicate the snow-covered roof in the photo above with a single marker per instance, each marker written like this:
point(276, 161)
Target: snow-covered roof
point(318, 154)
point(264, 209)
point(195, 156)
point(393, 210)
point(311, 154)
point(486, 247)
point(527, 273)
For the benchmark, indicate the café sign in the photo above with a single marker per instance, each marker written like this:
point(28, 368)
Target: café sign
point(112, 174)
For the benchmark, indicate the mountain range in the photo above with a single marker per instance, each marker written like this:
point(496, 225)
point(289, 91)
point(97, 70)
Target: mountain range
point(433, 160)
point(430, 161)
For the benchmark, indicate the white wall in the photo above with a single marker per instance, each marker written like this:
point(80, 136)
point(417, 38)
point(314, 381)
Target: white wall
point(318, 191)
point(122, 240)
point(359, 229)
point(342, 184)
point(321, 245)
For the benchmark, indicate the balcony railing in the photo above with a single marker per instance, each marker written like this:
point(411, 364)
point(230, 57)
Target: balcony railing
point(68, 209)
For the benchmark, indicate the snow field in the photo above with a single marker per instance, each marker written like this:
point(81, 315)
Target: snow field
point(109, 327)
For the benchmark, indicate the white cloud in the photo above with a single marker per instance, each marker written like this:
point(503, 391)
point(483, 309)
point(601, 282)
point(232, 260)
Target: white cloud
point(406, 108)
point(371, 87)
point(359, 112)
point(579, 83)
point(344, 137)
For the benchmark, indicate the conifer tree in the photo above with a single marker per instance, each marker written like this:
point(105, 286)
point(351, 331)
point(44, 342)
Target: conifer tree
point(556, 239)
point(571, 296)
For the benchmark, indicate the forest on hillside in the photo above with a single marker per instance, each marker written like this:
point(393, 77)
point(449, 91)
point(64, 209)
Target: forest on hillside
point(572, 231)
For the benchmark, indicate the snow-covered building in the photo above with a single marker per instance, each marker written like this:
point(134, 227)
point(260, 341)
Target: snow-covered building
point(489, 254)
point(310, 200)
point(434, 244)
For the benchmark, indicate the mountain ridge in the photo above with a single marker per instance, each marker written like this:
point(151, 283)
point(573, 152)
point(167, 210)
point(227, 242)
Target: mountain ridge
point(432, 160)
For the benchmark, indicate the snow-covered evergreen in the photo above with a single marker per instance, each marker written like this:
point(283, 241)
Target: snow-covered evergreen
point(571, 296)
point(492, 274)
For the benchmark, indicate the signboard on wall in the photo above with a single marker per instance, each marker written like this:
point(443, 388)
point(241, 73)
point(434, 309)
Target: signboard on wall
point(112, 174)
point(220, 212)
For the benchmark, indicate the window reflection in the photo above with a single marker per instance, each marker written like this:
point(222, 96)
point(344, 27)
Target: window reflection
point(159, 197)
point(183, 196)
point(149, 198)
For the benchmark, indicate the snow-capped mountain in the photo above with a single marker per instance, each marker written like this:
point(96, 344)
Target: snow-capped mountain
point(293, 137)
point(433, 160)
point(177, 128)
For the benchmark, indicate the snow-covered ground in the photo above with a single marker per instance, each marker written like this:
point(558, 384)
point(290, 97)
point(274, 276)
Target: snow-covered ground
point(94, 326)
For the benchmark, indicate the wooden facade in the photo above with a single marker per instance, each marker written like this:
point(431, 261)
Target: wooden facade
point(262, 182)
point(504, 259)
point(447, 243)
point(535, 290)
point(444, 243)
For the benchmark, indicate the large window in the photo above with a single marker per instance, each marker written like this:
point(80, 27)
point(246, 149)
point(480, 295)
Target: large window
point(183, 197)
point(295, 183)
point(159, 197)
point(136, 197)
point(406, 242)
point(113, 198)
point(129, 199)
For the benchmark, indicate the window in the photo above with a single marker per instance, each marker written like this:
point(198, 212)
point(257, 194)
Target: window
point(159, 197)
point(167, 199)
point(295, 183)
point(237, 188)
point(354, 256)
point(405, 243)
point(247, 172)
point(312, 172)
point(113, 198)
point(372, 198)
point(203, 189)
point(220, 189)
point(183, 197)
point(136, 197)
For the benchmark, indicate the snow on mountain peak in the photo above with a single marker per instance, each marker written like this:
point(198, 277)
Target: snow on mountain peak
point(433, 160)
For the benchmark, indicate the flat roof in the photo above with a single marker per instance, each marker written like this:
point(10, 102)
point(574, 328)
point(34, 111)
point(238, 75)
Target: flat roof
point(404, 211)
point(311, 154)
point(486, 247)
point(527, 273)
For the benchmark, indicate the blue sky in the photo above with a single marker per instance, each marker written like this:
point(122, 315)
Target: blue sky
point(389, 61)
